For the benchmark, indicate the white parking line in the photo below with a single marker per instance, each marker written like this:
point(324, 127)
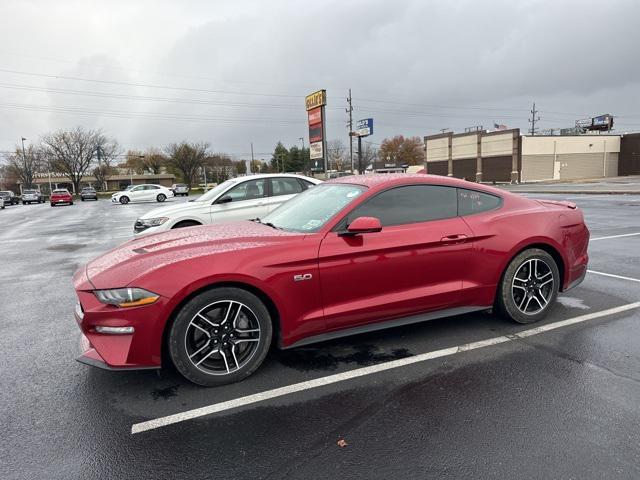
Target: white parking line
point(614, 236)
point(361, 372)
point(615, 276)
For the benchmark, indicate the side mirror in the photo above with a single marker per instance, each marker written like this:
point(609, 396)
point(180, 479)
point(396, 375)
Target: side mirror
point(225, 199)
point(363, 225)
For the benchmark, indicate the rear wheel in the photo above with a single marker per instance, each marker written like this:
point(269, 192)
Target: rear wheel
point(529, 286)
point(220, 336)
point(124, 200)
point(161, 197)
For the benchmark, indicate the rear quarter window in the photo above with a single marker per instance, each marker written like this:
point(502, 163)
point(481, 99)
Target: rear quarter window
point(472, 201)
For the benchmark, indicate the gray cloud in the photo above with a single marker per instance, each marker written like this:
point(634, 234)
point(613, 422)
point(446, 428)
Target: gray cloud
point(241, 69)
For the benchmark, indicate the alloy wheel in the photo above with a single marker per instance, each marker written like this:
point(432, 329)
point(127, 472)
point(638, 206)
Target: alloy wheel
point(222, 337)
point(532, 286)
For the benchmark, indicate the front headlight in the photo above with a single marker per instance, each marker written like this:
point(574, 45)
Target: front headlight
point(126, 297)
point(152, 222)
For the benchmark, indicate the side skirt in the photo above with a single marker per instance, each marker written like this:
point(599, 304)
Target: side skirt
point(372, 327)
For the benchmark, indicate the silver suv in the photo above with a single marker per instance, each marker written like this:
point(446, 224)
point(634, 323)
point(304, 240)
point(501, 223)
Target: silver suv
point(32, 196)
point(180, 189)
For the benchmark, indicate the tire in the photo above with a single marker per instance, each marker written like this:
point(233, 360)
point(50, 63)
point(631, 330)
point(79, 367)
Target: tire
point(53, 205)
point(192, 351)
point(124, 200)
point(70, 203)
point(529, 287)
point(82, 199)
point(186, 223)
point(24, 203)
point(161, 197)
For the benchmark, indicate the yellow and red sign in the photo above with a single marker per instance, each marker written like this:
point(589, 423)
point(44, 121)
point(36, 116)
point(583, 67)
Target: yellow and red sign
point(316, 99)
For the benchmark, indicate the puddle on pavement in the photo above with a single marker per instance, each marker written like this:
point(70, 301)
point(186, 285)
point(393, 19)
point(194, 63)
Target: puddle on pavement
point(67, 247)
point(307, 359)
point(165, 393)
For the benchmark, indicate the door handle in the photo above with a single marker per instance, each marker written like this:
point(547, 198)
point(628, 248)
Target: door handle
point(451, 239)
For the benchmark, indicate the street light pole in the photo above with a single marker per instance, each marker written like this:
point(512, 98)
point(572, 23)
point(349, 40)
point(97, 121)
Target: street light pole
point(304, 163)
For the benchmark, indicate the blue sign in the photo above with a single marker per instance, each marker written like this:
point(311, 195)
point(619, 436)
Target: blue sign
point(364, 127)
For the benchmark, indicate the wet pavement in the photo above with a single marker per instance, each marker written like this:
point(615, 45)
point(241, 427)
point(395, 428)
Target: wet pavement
point(561, 404)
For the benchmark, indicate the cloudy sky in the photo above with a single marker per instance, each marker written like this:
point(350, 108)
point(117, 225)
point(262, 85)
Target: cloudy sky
point(150, 72)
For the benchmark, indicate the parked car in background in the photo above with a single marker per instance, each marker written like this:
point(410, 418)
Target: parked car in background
point(351, 255)
point(9, 197)
point(142, 193)
point(241, 198)
point(88, 193)
point(180, 189)
point(32, 196)
point(60, 196)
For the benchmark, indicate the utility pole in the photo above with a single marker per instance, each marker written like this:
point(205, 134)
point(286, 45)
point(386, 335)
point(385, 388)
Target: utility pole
point(349, 110)
point(534, 118)
point(304, 162)
point(24, 161)
point(251, 164)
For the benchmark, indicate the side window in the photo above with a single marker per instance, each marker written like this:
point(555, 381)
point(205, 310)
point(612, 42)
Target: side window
point(284, 186)
point(137, 189)
point(470, 202)
point(248, 190)
point(410, 204)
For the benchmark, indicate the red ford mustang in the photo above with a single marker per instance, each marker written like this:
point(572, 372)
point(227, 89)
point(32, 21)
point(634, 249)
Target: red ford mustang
point(351, 255)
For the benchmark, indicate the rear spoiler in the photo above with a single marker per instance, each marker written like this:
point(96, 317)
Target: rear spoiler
point(560, 203)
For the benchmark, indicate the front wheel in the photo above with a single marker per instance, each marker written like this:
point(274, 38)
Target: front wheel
point(529, 286)
point(124, 200)
point(161, 197)
point(220, 336)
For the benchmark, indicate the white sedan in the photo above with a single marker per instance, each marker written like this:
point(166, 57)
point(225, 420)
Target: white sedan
point(241, 198)
point(142, 193)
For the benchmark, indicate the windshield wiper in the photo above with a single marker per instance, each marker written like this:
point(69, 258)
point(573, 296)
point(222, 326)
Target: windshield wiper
point(268, 224)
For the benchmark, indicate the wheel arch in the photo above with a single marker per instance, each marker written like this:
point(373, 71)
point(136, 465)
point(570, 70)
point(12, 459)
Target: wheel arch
point(266, 299)
point(545, 246)
point(186, 220)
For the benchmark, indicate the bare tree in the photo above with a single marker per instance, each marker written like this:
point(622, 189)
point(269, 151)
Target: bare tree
point(73, 152)
point(336, 153)
point(154, 160)
point(186, 159)
point(369, 154)
point(24, 165)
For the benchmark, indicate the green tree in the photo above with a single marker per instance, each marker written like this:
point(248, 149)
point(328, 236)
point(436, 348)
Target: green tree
point(241, 167)
point(279, 158)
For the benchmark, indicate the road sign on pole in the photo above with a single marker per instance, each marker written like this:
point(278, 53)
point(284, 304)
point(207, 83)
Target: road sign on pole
point(364, 127)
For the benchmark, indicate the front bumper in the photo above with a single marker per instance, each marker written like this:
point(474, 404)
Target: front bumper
point(138, 350)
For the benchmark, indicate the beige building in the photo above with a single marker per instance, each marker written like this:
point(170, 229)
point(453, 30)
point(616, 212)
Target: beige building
point(505, 156)
point(569, 157)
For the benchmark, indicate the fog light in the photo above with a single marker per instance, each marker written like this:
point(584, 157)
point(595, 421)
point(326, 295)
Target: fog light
point(115, 330)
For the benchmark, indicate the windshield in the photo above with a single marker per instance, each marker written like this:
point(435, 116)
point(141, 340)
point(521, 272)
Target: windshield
point(215, 191)
point(310, 210)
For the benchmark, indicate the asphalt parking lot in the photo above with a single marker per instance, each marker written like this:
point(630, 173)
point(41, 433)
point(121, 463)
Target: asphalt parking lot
point(558, 402)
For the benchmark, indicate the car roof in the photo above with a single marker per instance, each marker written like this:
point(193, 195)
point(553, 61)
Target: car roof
point(382, 180)
point(255, 176)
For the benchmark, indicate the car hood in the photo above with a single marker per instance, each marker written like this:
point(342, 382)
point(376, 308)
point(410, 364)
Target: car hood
point(173, 210)
point(141, 256)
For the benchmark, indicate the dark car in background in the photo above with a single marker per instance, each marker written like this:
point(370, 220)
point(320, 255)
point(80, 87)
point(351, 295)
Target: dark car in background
point(32, 196)
point(9, 197)
point(88, 193)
